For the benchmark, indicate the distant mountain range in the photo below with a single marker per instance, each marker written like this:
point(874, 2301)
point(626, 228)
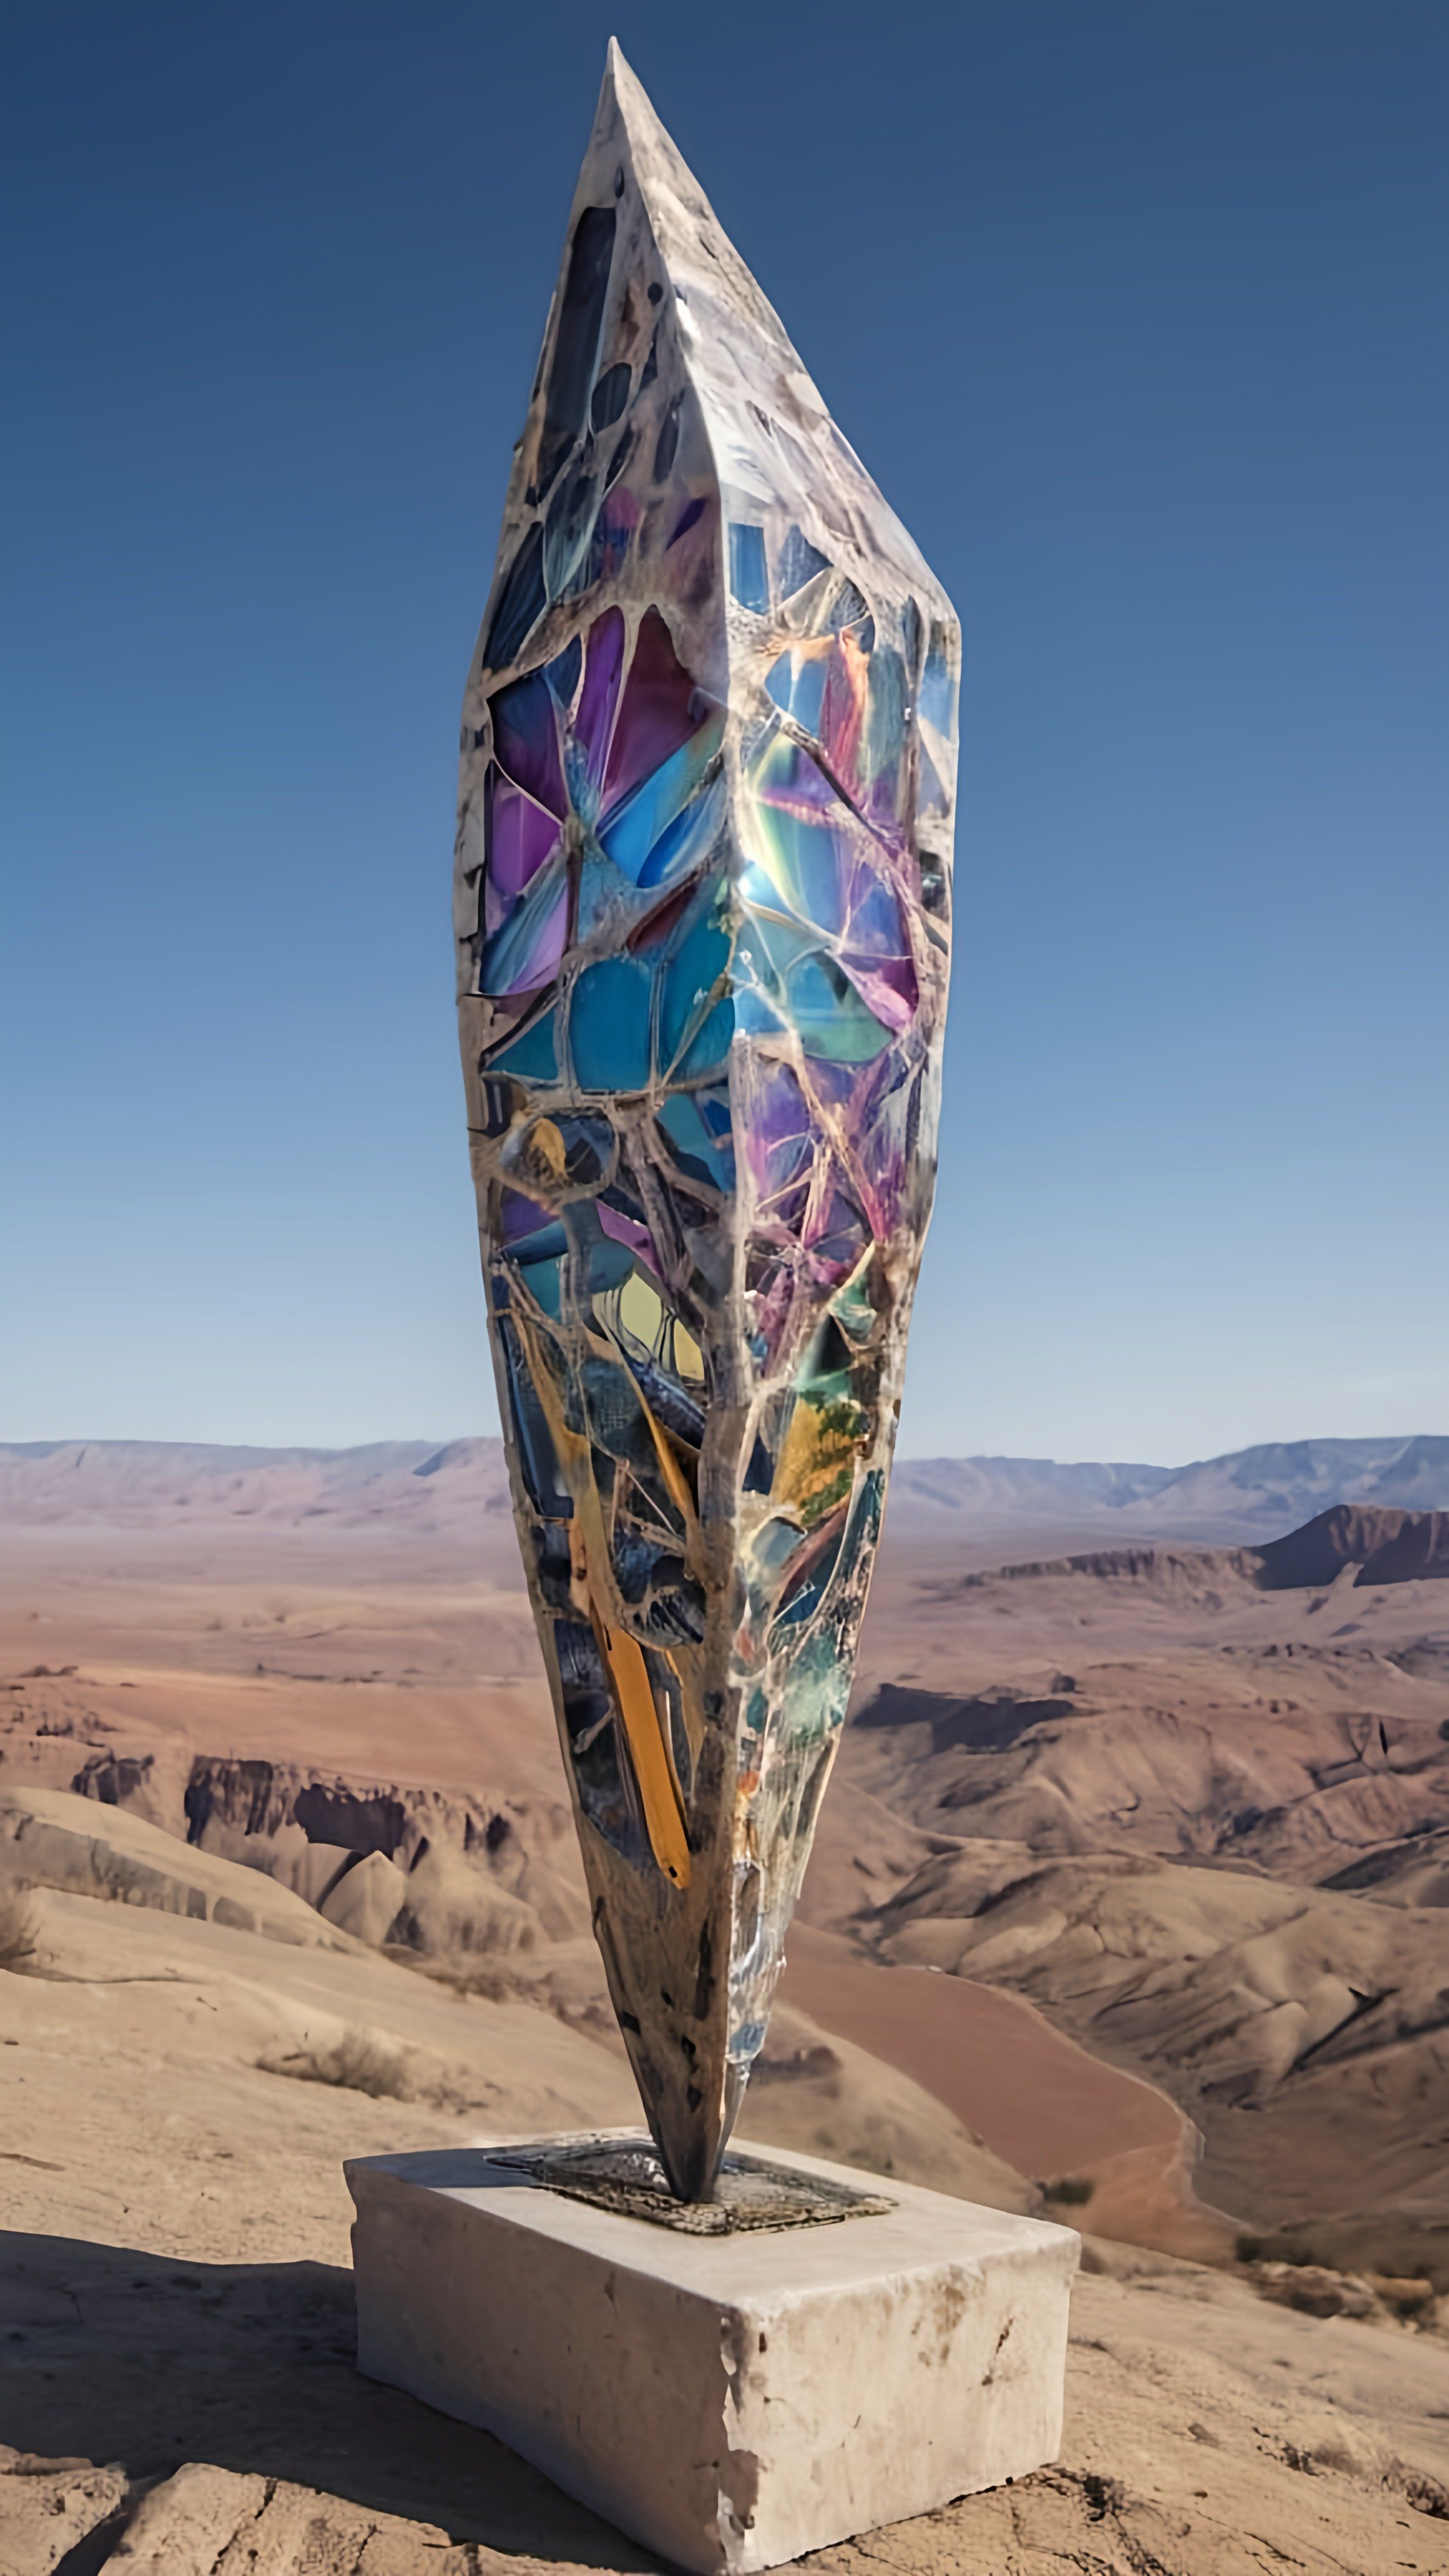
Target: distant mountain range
point(1249, 1495)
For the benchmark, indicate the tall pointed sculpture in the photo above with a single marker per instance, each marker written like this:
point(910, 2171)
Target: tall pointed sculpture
point(702, 912)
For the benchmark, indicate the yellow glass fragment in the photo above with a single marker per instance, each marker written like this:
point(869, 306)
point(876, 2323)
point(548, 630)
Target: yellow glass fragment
point(816, 1463)
point(641, 1312)
point(545, 1141)
point(644, 1730)
point(688, 1357)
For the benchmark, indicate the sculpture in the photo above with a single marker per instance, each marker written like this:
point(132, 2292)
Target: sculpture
point(702, 888)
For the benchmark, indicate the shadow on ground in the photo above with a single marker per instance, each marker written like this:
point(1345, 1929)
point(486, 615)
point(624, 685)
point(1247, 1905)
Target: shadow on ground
point(109, 2354)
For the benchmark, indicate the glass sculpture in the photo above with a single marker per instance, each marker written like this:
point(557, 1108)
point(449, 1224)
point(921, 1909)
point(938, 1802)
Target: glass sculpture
point(703, 881)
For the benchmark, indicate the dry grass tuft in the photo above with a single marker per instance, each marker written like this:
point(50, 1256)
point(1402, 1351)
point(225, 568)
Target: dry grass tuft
point(1069, 2191)
point(489, 1979)
point(357, 2062)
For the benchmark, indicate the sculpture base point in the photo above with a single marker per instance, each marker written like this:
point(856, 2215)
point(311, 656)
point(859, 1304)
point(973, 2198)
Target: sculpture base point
point(731, 2399)
point(751, 2194)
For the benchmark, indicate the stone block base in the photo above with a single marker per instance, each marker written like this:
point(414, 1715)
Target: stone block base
point(730, 2400)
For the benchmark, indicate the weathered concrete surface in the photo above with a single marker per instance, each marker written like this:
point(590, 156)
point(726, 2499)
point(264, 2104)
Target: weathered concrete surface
point(731, 2402)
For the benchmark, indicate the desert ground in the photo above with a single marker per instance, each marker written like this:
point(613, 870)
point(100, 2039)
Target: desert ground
point(1130, 1901)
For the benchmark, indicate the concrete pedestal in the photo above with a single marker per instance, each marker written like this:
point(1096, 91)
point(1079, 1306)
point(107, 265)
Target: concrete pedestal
point(730, 2401)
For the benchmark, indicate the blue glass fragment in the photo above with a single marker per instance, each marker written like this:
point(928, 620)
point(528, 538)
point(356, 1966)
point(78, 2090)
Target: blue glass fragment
point(525, 739)
point(797, 685)
point(521, 603)
point(755, 1015)
point(599, 1760)
point(609, 1025)
point(707, 1050)
point(691, 1145)
point(639, 1561)
point(520, 953)
point(609, 397)
point(630, 836)
point(541, 1472)
point(567, 531)
point(609, 1265)
point(769, 946)
point(832, 1020)
point(748, 579)
point(533, 1057)
point(803, 1592)
point(937, 699)
point(576, 343)
point(688, 841)
point(542, 1280)
point(548, 1243)
point(688, 980)
point(799, 562)
point(931, 797)
point(562, 674)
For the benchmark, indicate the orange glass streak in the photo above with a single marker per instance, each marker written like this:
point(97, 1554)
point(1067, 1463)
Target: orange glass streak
point(658, 1786)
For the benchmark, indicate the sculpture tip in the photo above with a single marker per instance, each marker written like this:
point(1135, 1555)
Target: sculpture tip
point(691, 2150)
point(621, 78)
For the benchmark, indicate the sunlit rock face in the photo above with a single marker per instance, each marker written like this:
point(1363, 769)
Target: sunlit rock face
point(703, 903)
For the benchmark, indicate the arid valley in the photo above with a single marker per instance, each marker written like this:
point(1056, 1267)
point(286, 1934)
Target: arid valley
point(1130, 1902)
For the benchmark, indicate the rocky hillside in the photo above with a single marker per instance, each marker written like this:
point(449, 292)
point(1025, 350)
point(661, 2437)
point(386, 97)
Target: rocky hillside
point(1382, 1547)
point(1213, 1847)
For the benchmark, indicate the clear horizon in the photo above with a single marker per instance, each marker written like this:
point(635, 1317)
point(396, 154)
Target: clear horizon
point(1138, 319)
point(923, 1457)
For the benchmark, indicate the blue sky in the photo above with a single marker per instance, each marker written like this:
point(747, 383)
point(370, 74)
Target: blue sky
point(1136, 310)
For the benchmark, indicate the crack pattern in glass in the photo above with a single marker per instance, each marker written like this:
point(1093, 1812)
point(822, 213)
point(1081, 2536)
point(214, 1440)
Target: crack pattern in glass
point(703, 882)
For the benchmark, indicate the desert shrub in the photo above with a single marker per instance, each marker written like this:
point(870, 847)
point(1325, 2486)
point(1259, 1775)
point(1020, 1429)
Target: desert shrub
point(1069, 2191)
point(492, 1983)
point(490, 1979)
point(1297, 2252)
point(357, 2062)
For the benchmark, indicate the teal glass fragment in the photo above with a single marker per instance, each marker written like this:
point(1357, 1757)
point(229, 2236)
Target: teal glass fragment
point(609, 1026)
point(531, 1058)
